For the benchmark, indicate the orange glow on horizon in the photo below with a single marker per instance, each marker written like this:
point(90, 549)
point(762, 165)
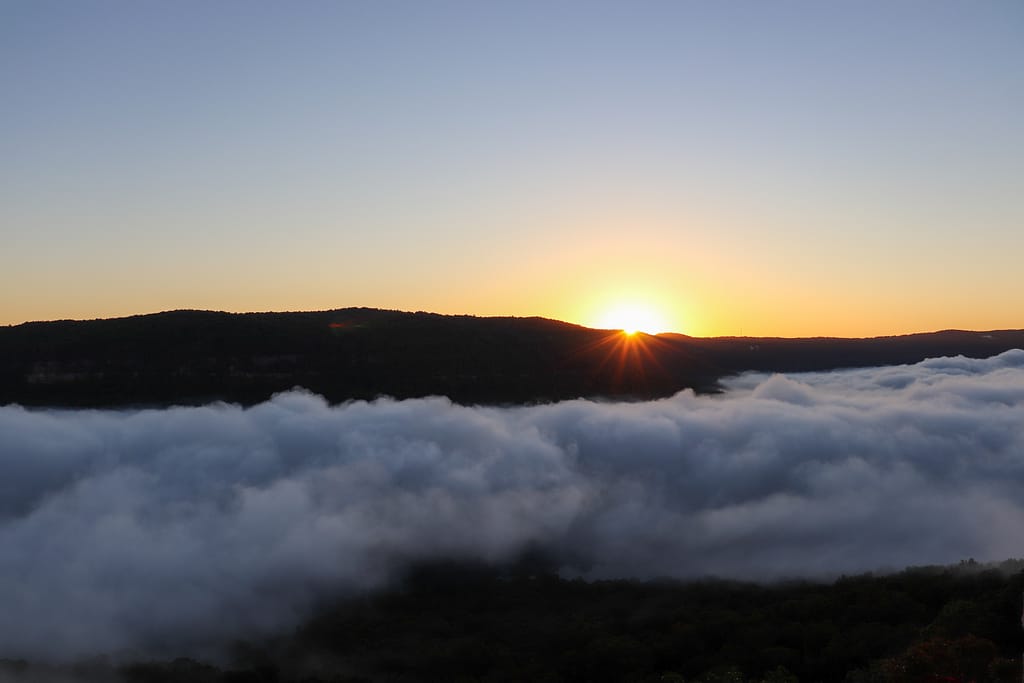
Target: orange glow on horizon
point(632, 317)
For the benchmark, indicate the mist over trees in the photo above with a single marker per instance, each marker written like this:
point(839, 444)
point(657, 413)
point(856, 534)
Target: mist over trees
point(299, 539)
point(519, 622)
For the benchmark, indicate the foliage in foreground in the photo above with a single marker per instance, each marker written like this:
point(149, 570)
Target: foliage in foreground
point(471, 623)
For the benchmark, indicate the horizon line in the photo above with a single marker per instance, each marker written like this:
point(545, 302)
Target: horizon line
point(498, 317)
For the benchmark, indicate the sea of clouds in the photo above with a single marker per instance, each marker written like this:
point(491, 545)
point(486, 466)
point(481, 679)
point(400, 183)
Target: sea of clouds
point(155, 530)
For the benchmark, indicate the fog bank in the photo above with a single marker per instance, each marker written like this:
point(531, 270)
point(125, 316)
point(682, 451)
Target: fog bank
point(160, 530)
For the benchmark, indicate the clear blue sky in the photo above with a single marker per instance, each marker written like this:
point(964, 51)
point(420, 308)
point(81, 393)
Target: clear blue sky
point(761, 167)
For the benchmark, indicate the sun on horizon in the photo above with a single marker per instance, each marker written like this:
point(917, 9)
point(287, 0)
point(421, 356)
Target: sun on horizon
point(633, 317)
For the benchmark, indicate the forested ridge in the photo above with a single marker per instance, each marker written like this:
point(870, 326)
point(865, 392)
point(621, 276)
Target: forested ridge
point(464, 622)
point(193, 357)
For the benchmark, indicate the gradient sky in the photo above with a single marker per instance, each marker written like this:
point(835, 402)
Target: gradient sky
point(764, 168)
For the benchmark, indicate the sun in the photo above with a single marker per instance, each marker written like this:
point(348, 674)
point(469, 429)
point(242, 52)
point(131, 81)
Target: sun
point(632, 318)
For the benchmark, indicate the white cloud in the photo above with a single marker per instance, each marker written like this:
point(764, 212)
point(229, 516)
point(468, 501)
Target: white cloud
point(159, 530)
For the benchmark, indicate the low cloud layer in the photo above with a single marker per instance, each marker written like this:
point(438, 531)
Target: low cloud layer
point(159, 530)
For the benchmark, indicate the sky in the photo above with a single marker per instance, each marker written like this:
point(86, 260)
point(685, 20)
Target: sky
point(763, 168)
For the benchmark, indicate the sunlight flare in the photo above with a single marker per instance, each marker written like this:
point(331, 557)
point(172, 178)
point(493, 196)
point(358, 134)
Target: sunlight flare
point(632, 318)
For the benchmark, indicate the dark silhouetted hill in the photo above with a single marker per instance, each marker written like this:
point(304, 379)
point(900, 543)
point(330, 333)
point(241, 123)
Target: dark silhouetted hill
point(358, 353)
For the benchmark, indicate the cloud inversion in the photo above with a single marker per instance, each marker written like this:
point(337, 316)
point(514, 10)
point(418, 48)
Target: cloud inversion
point(156, 530)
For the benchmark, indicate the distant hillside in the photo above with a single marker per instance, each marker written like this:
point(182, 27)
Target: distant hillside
point(360, 353)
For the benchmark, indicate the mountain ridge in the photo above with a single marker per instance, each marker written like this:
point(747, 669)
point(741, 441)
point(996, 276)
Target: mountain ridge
point(191, 356)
